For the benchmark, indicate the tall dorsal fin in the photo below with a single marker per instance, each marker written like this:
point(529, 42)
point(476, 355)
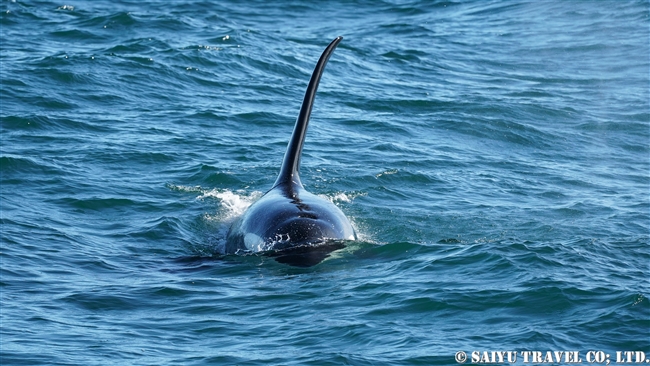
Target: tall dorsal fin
point(291, 163)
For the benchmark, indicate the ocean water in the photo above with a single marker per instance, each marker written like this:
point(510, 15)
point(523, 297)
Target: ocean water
point(493, 156)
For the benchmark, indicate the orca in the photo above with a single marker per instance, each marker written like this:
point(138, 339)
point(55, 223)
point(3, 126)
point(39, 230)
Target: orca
point(289, 223)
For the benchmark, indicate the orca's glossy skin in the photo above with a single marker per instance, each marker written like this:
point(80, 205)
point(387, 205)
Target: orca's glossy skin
point(291, 224)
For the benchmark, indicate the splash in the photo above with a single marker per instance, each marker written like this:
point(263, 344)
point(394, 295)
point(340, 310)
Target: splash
point(342, 196)
point(212, 227)
point(233, 204)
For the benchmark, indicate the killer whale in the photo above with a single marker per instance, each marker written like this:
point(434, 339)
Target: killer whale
point(289, 223)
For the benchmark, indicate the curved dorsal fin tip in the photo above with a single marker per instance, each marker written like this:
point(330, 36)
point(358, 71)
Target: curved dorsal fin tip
point(291, 162)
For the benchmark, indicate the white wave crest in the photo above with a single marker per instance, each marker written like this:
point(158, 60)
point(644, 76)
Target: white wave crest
point(342, 196)
point(233, 204)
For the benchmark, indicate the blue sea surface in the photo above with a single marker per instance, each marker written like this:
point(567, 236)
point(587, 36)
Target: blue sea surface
point(493, 156)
